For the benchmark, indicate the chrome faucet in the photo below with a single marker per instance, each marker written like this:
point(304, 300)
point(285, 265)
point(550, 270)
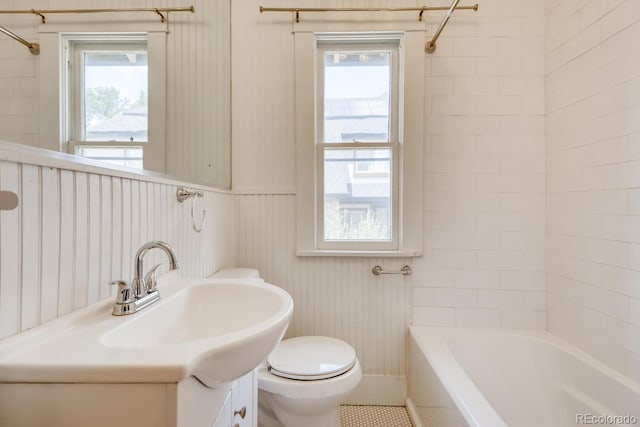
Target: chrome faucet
point(142, 291)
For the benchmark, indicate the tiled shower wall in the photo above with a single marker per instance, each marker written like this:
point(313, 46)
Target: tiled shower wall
point(73, 232)
point(484, 170)
point(593, 161)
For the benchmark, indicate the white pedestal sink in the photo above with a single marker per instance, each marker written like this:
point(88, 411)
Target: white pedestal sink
point(213, 329)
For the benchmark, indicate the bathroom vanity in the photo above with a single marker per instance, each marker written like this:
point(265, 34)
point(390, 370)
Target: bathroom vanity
point(186, 361)
point(188, 403)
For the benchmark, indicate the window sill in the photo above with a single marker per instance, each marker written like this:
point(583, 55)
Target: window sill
point(361, 254)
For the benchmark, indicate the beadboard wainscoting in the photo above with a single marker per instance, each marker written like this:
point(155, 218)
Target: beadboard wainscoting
point(74, 231)
point(334, 296)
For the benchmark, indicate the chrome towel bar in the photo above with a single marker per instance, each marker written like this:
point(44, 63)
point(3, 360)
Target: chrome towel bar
point(378, 271)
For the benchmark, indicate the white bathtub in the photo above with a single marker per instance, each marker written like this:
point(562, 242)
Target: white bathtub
point(494, 378)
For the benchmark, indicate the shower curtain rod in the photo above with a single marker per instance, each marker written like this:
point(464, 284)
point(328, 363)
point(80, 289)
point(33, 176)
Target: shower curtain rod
point(157, 10)
point(421, 9)
point(430, 46)
point(34, 48)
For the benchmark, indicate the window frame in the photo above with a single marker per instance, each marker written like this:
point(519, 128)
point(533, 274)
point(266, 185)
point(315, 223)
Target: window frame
point(73, 112)
point(53, 135)
point(351, 43)
point(410, 140)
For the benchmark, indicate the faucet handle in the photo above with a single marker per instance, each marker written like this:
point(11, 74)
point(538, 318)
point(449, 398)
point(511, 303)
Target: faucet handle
point(125, 292)
point(150, 280)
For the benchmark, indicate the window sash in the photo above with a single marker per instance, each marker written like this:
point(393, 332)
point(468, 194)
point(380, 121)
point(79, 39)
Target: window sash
point(411, 94)
point(76, 47)
point(323, 243)
point(323, 48)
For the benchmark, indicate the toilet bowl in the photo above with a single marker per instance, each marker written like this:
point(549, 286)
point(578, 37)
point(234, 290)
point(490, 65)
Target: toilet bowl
point(305, 379)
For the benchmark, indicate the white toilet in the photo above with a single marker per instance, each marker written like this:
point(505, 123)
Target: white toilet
point(305, 379)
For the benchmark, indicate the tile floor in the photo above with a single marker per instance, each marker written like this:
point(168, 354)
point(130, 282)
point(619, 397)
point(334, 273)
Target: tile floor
point(374, 416)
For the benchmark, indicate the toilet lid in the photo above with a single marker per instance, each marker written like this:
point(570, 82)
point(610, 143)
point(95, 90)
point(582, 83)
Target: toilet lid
point(311, 358)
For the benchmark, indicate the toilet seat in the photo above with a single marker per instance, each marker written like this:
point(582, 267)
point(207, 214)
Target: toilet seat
point(311, 358)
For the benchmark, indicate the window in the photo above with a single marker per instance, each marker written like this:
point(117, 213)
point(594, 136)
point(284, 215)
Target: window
point(357, 144)
point(107, 98)
point(359, 112)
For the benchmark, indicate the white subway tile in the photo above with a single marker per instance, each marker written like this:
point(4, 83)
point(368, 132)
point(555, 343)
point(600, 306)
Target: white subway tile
point(477, 279)
point(476, 163)
point(475, 46)
point(523, 241)
point(466, 86)
point(500, 260)
point(607, 302)
point(535, 300)
point(499, 66)
point(621, 280)
point(477, 318)
point(521, 319)
point(499, 299)
point(519, 280)
point(521, 46)
point(452, 67)
point(499, 221)
point(422, 296)
point(433, 316)
point(634, 311)
point(453, 105)
point(499, 27)
point(445, 297)
point(450, 258)
point(499, 105)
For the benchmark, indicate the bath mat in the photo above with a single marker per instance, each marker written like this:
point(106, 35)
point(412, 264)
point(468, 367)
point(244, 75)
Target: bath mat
point(374, 416)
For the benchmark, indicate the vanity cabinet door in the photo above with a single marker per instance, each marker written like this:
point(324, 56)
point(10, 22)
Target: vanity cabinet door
point(244, 398)
point(224, 417)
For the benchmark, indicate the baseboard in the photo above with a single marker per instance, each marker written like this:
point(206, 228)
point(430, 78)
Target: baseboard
point(379, 390)
point(413, 413)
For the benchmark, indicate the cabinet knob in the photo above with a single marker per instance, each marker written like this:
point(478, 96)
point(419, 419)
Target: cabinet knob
point(236, 425)
point(242, 412)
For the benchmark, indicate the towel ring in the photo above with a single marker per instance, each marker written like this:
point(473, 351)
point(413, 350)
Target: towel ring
point(183, 194)
point(197, 229)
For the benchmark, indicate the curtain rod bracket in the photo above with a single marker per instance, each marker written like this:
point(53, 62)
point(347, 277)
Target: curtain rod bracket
point(34, 48)
point(430, 46)
point(162, 18)
point(35, 12)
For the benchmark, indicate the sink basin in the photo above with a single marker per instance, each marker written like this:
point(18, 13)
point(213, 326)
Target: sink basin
point(214, 329)
point(198, 312)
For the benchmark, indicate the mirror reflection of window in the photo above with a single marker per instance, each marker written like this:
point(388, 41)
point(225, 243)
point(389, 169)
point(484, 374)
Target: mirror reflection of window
point(108, 100)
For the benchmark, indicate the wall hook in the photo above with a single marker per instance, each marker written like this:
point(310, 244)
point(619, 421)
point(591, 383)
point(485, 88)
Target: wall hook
point(8, 200)
point(35, 12)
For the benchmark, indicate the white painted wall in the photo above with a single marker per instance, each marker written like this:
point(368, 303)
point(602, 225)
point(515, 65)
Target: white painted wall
point(593, 211)
point(75, 230)
point(198, 112)
point(484, 184)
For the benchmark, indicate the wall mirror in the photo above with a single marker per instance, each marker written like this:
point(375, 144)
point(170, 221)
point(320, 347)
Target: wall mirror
point(129, 89)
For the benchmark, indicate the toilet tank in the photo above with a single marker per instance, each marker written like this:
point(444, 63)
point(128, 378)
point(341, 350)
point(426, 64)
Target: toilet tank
point(237, 273)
